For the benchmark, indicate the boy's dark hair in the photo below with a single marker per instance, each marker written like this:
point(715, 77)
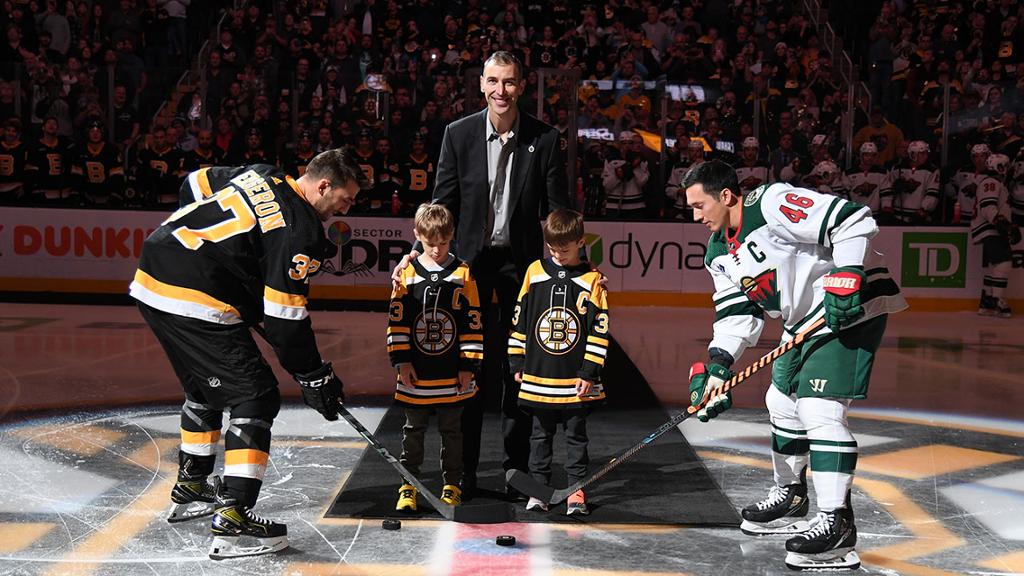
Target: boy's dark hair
point(714, 176)
point(563, 227)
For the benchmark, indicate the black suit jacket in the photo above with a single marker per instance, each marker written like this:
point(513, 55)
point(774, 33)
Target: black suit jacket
point(537, 185)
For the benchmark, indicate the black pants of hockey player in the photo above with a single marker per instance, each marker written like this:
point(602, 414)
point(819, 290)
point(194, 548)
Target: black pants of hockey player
point(220, 368)
point(545, 426)
point(449, 426)
point(495, 273)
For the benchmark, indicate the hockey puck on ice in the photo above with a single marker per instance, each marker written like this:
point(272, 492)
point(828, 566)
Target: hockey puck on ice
point(391, 524)
point(505, 540)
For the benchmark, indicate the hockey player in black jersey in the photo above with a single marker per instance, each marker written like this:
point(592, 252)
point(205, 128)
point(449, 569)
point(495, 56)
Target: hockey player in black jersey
point(557, 349)
point(240, 251)
point(436, 343)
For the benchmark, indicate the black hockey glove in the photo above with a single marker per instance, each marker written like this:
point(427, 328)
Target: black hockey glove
point(322, 391)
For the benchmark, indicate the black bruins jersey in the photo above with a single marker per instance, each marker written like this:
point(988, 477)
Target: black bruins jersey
point(99, 173)
point(559, 334)
point(195, 159)
point(296, 162)
point(418, 177)
point(434, 322)
point(50, 166)
point(13, 159)
point(243, 250)
point(160, 173)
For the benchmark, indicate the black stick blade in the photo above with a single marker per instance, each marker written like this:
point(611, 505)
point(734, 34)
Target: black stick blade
point(526, 484)
point(484, 513)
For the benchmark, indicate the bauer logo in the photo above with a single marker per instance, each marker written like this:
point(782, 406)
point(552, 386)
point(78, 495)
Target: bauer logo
point(934, 260)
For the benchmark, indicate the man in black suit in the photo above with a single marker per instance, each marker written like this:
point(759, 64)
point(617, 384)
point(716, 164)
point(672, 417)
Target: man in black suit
point(500, 172)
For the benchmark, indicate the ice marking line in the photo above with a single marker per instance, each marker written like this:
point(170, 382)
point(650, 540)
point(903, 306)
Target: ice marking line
point(321, 534)
point(169, 560)
point(359, 528)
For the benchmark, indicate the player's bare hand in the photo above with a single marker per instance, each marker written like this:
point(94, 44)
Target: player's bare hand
point(519, 377)
point(408, 374)
point(583, 387)
point(396, 274)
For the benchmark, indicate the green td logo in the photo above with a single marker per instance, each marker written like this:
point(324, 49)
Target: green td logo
point(934, 259)
point(594, 248)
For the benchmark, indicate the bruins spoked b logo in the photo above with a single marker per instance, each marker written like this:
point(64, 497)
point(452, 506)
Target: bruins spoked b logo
point(558, 330)
point(435, 331)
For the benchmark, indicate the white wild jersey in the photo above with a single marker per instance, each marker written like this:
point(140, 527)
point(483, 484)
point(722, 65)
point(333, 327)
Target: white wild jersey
point(750, 177)
point(871, 188)
point(993, 201)
point(915, 190)
point(789, 238)
point(676, 196)
point(964, 186)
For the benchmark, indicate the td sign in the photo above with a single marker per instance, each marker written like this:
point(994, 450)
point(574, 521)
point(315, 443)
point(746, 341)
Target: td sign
point(934, 260)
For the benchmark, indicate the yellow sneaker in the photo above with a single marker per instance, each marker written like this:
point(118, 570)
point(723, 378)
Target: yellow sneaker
point(451, 495)
point(577, 504)
point(406, 498)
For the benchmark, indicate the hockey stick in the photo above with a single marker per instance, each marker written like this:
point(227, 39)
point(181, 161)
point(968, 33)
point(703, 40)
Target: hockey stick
point(526, 484)
point(474, 514)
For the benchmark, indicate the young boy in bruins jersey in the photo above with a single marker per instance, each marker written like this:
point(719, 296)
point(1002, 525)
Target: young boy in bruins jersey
point(435, 341)
point(556, 351)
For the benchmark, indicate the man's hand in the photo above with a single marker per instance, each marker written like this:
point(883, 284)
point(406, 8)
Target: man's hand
point(322, 391)
point(465, 381)
point(709, 377)
point(396, 274)
point(583, 387)
point(407, 374)
point(843, 287)
point(518, 376)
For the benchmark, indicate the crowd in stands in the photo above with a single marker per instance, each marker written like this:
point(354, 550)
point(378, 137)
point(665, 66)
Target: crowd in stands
point(748, 82)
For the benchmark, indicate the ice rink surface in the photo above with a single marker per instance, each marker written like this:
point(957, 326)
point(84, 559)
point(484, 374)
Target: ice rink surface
point(89, 435)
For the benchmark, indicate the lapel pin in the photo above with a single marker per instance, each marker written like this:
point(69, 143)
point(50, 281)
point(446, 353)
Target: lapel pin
point(531, 147)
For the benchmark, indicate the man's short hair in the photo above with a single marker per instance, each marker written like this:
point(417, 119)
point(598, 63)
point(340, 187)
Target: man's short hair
point(434, 222)
point(714, 176)
point(562, 227)
point(338, 167)
point(505, 58)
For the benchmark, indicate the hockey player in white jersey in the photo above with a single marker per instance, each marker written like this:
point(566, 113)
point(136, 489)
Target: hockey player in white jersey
point(867, 183)
point(964, 184)
point(751, 172)
point(824, 178)
point(796, 255)
point(991, 227)
point(915, 186)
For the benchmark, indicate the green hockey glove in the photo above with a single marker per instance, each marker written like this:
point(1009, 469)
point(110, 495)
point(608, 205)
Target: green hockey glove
point(702, 377)
point(843, 287)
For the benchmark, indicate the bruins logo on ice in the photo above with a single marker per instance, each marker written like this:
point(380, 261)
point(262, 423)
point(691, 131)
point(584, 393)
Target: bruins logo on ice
point(435, 331)
point(558, 330)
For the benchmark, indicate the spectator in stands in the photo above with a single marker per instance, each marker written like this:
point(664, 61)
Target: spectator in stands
point(885, 135)
point(625, 178)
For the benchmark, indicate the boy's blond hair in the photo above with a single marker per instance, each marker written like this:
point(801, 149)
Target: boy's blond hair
point(434, 222)
point(563, 227)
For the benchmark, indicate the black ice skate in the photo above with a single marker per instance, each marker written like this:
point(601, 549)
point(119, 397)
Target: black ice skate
point(234, 521)
point(193, 498)
point(781, 512)
point(827, 545)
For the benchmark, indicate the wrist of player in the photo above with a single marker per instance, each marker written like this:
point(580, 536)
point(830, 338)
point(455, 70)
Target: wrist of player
point(843, 287)
point(706, 381)
point(322, 390)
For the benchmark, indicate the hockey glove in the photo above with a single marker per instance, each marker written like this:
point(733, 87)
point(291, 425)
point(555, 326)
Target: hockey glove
point(322, 391)
point(702, 377)
point(843, 287)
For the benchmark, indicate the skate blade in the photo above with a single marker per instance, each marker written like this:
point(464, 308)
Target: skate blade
point(775, 527)
point(834, 561)
point(192, 510)
point(225, 547)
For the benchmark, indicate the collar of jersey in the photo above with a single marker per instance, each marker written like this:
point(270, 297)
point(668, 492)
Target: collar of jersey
point(443, 273)
point(552, 269)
